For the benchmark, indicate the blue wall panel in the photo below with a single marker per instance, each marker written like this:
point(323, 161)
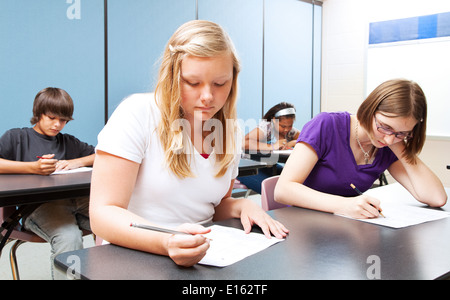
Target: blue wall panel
point(61, 43)
point(138, 31)
point(243, 20)
point(288, 56)
point(52, 43)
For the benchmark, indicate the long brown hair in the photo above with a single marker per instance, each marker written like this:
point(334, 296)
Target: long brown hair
point(398, 98)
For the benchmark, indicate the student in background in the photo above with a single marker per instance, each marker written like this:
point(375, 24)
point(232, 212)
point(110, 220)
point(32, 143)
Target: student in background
point(159, 161)
point(274, 132)
point(335, 150)
point(42, 150)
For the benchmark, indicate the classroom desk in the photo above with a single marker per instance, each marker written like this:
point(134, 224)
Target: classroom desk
point(270, 157)
point(27, 191)
point(30, 189)
point(248, 167)
point(319, 246)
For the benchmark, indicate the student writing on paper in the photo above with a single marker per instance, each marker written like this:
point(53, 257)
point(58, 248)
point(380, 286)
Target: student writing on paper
point(337, 149)
point(170, 158)
point(57, 222)
point(274, 132)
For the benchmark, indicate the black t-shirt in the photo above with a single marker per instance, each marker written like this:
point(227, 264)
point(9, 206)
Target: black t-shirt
point(25, 144)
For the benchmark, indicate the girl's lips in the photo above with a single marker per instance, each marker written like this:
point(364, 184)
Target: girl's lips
point(204, 108)
point(384, 145)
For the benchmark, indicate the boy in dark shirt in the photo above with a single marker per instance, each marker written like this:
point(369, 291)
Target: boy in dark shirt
point(42, 150)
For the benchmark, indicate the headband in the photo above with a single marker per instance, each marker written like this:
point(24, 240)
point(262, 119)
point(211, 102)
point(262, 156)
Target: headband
point(285, 112)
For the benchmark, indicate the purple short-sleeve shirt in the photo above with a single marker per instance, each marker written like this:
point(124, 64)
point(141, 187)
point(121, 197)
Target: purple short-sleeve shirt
point(328, 134)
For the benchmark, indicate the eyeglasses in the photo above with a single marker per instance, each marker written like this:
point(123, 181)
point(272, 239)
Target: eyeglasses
point(404, 135)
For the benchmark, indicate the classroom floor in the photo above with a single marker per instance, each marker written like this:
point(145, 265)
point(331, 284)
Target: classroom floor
point(34, 258)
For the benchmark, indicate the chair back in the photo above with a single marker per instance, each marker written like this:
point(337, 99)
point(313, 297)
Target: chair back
point(5, 212)
point(267, 194)
point(18, 233)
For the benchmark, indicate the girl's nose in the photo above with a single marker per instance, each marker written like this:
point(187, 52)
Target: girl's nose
point(389, 139)
point(206, 95)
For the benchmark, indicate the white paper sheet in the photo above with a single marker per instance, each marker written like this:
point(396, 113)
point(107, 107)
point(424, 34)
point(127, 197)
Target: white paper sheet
point(79, 170)
point(401, 209)
point(283, 152)
point(230, 245)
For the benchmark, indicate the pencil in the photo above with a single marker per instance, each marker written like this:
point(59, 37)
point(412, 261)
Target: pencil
point(159, 229)
point(356, 189)
point(360, 193)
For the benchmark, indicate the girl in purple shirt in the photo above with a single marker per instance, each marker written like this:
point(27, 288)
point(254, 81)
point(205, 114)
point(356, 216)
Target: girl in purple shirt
point(337, 149)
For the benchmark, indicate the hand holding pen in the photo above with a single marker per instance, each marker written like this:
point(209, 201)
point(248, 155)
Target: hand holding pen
point(360, 193)
point(46, 164)
point(187, 245)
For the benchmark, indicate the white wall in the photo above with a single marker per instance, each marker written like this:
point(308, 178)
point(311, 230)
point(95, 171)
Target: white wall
point(344, 49)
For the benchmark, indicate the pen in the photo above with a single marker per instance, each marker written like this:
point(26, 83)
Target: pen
point(41, 157)
point(360, 193)
point(159, 229)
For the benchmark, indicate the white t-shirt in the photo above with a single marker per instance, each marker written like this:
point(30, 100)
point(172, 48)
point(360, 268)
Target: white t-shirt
point(159, 195)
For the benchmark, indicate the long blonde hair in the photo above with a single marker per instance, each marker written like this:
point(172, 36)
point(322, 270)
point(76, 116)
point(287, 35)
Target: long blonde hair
point(200, 39)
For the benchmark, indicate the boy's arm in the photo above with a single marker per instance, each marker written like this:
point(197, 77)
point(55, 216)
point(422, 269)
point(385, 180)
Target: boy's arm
point(39, 167)
point(85, 161)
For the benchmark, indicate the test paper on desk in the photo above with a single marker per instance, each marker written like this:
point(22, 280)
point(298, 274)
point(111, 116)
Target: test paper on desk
point(401, 209)
point(78, 170)
point(230, 245)
point(282, 152)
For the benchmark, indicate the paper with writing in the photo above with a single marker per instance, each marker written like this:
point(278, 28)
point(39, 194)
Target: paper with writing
point(78, 170)
point(230, 245)
point(401, 209)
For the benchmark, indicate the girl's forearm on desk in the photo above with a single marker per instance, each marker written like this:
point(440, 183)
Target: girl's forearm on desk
point(420, 181)
point(293, 193)
point(113, 225)
point(417, 178)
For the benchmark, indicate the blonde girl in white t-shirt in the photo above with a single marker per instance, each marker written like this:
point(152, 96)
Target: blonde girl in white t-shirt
point(170, 158)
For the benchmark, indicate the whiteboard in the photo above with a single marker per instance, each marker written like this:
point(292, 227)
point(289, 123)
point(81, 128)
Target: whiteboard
point(426, 62)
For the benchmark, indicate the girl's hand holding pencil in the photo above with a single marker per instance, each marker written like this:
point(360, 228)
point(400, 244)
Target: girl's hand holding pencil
point(186, 246)
point(360, 193)
point(359, 207)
